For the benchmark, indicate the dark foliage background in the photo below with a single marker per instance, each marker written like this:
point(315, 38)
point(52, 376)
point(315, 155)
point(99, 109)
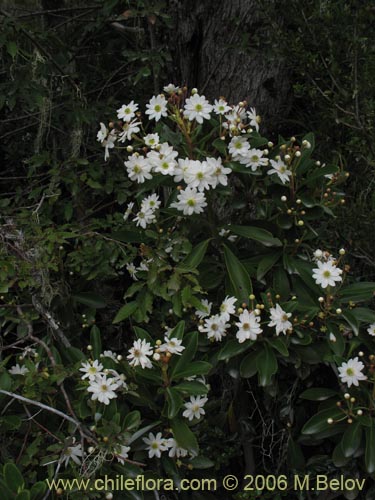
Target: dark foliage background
point(304, 65)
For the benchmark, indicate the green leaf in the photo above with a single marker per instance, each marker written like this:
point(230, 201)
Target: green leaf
point(364, 314)
point(248, 367)
point(267, 365)
point(142, 334)
point(352, 321)
point(131, 421)
point(358, 291)
point(370, 448)
point(351, 439)
point(267, 263)
point(175, 402)
point(318, 423)
point(37, 490)
point(6, 381)
point(23, 495)
point(194, 368)
point(238, 276)
point(191, 345)
point(125, 311)
point(233, 347)
point(318, 394)
point(201, 463)
point(220, 145)
point(296, 460)
point(257, 234)
point(184, 436)
point(90, 299)
point(96, 341)
point(193, 388)
point(321, 172)
point(12, 49)
point(338, 457)
point(178, 331)
point(280, 345)
point(142, 431)
point(13, 477)
point(195, 257)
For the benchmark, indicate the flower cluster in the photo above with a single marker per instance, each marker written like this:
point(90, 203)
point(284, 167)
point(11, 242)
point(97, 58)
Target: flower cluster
point(141, 352)
point(103, 383)
point(248, 324)
point(156, 444)
point(149, 155)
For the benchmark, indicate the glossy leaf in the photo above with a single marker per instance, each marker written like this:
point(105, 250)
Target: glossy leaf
point(267, 365)
point(239, 277)
point(257, 234)
point(125, 311)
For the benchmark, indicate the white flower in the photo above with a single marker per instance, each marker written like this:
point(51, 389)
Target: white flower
point(121, 453)
point(219, 172)
point(190, 201)
point(170, 88)
point(143, 266)
point(143, 218)
point(318, 254)
point(163, 160)
point(254, 159)
point(279, 168)
point(103, 389)
point(280, 319)
point(227, 307)
point(172, 345)
point(351, 372)
point(138, 354)
point(248, 326)
point(118, 378)
point(326, 274)
point(197, 108)
point(127, 111)
point(157, 107)
point(156, 444)
point(109, 354)
point(254, 118)
point(132, 270)
point(194, 407)
point(150, 203)
point(174, 449)
point(18, 370)
point(128, 129)
point(200, 175)
point(151, 140)
point(109, 143)
point(215, 327)
point(221, 107)
point(238, 147)
point(91, 370)
point(102, 133)
point(181, 169)
point(128, 210)
point(371, 329)
point(138, 168)
point(207, 309)
point(72, 452)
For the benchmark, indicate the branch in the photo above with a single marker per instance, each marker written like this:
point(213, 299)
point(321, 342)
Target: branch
point(41, 405)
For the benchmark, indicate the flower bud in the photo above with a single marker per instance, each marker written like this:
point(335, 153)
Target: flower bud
point(342, 251)
point(338, 311)
point(129, 149)
point(298, 154)
point(283, 198)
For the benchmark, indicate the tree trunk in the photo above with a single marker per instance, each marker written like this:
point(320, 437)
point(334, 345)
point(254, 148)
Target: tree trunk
point(222, 48)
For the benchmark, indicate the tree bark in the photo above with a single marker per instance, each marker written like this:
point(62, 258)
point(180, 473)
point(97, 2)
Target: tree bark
point(222, 48)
